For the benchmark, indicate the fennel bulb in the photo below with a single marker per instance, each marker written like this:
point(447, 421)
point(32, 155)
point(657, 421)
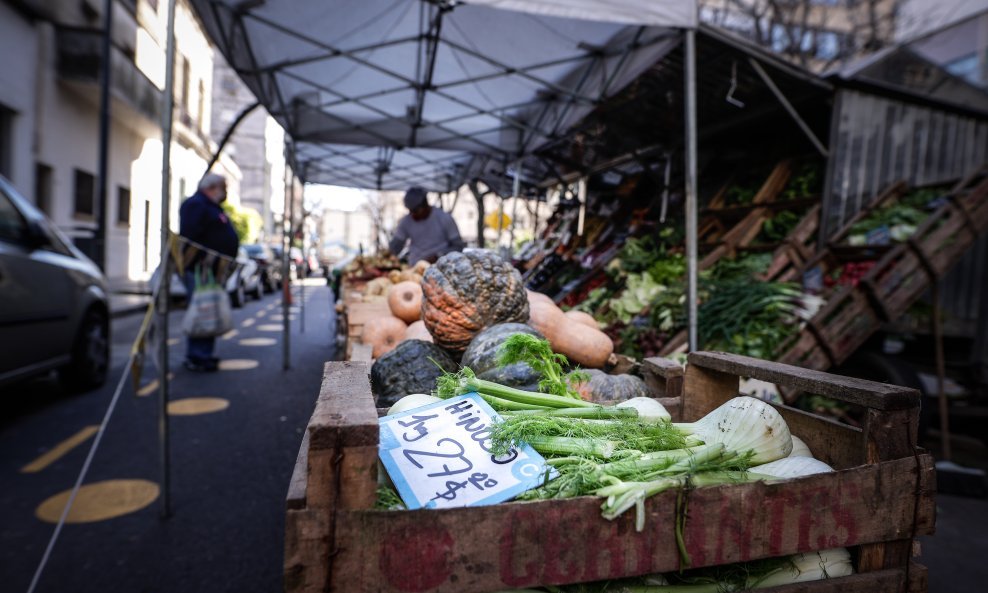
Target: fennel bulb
point(649, 409)
point(800, 448)
point(412, 401)
point(746, 424)
point(792, 467)
point(811, 566)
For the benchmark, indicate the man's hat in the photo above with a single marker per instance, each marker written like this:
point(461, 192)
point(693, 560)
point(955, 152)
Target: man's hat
point(414, 197)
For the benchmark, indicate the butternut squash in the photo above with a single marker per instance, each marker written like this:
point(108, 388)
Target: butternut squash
point(581, 317)
point(580, 344)
point(405, 300)
point(383, 334)
point(538, 297)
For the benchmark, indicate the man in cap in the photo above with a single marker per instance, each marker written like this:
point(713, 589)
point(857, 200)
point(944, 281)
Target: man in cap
point(431, 232)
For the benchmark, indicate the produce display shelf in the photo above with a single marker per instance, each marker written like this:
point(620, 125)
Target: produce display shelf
point(897, 279)
point(880, 498)
point(351, 314)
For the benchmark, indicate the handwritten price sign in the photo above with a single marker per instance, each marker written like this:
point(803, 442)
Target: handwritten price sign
point(439, 456)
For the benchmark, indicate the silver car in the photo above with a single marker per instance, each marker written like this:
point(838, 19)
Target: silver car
point(54, 311)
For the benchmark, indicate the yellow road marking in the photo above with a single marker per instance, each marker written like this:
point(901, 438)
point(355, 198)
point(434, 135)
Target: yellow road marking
point(99, 501)
point(258, 342)
point(261, 313)
point(59, 450)
point(230, 334)
point(193, 406)
point(238, 364)
point(247, 322)
point(270, 327)
point(174, 341)
point(151, 387)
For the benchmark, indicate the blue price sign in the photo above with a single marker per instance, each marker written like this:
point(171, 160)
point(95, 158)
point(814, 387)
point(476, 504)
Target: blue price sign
point(439, 456)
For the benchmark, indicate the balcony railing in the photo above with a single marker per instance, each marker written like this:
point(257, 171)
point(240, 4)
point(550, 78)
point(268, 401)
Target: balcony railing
point(79, 58)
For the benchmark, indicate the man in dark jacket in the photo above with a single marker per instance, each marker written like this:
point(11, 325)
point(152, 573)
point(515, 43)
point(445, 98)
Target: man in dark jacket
point(203, 222)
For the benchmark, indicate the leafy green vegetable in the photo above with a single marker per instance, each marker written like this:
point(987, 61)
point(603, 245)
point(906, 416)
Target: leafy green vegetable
point(539, 355)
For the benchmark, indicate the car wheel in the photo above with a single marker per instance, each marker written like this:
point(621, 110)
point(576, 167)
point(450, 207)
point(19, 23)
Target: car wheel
point(239, 296)
point(258, 290)
point(90, 354)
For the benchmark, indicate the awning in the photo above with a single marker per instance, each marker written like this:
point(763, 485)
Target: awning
point(386, 93)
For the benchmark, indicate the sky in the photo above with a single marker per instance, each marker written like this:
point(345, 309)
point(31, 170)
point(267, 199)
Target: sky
point(333, 196)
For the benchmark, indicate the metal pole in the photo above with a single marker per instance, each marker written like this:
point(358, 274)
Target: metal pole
point(691, 205)
point(515, 190)
point(301, 298)
point(165, 277)
point(789, 108)
point(286, 283)
point(104, 134)
point(944, 411)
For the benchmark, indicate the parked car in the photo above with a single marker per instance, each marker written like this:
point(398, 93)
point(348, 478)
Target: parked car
point(245, 280)
point(268, 267)
point(54, 303)
point(278, 251)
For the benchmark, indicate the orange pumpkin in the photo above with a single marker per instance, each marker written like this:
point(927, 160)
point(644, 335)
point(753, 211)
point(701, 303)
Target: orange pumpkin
point(405, 300)
point(383, 334)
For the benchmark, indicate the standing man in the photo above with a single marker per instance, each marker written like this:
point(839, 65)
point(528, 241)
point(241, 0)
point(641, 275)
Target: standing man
point(204, 222)
point(432, 232)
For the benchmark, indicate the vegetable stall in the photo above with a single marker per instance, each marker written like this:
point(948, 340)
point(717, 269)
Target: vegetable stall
point(678, 478)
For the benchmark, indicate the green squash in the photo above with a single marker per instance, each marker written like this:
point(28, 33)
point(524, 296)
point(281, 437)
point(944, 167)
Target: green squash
point(481, 356)
point(408, 369)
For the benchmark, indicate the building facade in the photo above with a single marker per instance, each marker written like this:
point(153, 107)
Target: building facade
point(50, 113)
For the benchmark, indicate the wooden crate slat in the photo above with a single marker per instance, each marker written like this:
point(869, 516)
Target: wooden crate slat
point(880, 396)
point(528, 544)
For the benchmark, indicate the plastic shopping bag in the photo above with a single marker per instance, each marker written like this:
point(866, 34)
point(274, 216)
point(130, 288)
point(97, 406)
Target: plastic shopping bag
point(209, 313)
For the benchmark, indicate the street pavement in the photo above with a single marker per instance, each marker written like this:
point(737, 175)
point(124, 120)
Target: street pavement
point(234, 438)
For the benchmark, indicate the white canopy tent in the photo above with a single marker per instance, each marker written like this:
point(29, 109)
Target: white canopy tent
point(431, 85)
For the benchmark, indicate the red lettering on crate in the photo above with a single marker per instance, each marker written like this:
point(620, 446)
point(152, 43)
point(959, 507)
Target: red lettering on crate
point(562, 552)
point(608, 545)
point(517, 530)
point(776, 524)
point(416, 560)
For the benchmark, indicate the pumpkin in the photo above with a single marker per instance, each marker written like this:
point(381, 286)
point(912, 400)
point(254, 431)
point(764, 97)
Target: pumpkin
point(604, 388)
point(580, 344)
point(407, 369)
point(581, 317)
point(465, 292)
point(409, 276)
point(377, 286)
point(481, 356)
point(417, 331)
point(383, 334)
point(405, 300)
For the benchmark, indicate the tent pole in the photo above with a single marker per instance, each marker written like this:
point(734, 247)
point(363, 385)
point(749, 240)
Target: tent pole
point(515, 190)
point(286, 278)
point(166, 273)
point(691, 194)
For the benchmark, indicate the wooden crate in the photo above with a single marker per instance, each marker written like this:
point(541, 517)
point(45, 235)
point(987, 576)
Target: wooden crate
point(877, 503)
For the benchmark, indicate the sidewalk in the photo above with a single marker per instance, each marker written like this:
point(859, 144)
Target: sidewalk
point(128, 296)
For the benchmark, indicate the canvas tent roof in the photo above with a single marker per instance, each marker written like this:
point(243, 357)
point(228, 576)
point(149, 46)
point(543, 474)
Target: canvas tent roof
point(386, 93)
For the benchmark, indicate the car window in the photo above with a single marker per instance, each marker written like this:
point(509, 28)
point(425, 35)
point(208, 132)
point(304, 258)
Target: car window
point(13, 227)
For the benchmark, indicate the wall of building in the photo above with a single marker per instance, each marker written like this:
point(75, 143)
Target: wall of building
point(18, 37)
